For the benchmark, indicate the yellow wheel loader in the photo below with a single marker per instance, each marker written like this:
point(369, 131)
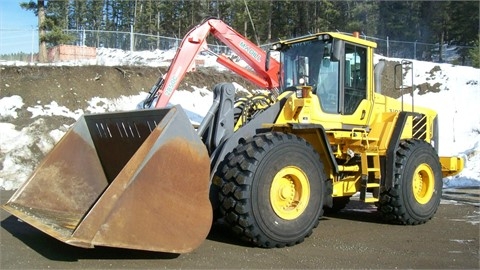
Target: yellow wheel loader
point(269, 165)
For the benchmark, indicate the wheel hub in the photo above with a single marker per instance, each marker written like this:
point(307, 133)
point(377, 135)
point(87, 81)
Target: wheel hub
point(423, 184)
point(289, 193)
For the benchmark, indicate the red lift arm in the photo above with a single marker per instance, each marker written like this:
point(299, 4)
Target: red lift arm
point(195, 41)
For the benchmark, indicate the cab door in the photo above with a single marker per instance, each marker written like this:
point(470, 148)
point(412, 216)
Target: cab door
point(344, 88)
point(354, 101)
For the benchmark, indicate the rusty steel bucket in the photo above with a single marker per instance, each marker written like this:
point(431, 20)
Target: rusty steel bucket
point(137, 180)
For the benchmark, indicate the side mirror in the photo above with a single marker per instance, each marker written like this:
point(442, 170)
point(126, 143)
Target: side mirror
point(338, 48)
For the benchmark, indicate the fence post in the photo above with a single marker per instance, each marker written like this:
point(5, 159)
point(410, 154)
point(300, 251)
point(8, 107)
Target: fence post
point(33, 41)
point(415, 50)
point(131, 38)
point(83, 36)
point(388, 48)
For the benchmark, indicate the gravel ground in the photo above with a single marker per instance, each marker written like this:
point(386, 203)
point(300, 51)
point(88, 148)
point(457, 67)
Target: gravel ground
point(353, 238)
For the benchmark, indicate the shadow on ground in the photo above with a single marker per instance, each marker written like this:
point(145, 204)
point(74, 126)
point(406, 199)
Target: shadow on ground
point(53, 249)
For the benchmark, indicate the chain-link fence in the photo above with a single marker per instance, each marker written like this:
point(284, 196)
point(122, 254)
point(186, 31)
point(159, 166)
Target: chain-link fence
point(421, 51)
point(132, 41)
point(141, 42)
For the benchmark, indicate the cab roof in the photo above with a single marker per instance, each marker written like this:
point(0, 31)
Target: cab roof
point(329, 35)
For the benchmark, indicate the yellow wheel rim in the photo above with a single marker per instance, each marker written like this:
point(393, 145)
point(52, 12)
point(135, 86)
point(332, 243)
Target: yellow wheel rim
point(289, 193)
point(423, 184)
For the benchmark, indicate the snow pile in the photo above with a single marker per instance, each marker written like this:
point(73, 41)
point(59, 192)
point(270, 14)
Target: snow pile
point(456, 104)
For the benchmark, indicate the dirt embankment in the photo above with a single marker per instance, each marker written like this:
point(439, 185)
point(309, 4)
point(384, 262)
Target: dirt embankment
point(72, 86)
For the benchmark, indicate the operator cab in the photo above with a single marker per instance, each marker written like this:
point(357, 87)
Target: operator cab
point(336, 69)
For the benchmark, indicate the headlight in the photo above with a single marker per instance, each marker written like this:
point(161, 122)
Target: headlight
point(276, 47)
point(299, 93)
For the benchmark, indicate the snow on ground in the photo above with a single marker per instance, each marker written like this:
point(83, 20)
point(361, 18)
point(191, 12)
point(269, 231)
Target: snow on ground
point(456, 104)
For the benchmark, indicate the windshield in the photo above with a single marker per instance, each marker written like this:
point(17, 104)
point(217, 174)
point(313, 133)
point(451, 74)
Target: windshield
point(309, 63)
point(301, 62)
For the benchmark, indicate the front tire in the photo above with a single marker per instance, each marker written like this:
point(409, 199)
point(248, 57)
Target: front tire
point(273, 189)
point(417, 190)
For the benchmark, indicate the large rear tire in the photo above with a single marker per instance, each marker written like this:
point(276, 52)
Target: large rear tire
point(417, 189)
point(273, 189)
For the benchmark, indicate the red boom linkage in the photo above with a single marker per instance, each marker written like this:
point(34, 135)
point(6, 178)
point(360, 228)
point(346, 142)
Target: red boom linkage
point(195, 41)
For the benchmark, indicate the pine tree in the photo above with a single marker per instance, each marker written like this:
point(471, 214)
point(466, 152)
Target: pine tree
point(464, 28)
point(95, 19)
point(439, 23)
point(52, 19)
point(362, 17)
point(55, 22)
point(39, 10)
point(474, 53)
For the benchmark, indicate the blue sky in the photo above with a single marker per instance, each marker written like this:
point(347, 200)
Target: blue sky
point(17, 28)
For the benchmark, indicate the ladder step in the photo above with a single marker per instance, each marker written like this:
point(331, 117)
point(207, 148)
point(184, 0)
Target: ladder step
point(371, 200)
point(370, 177)
point(373, 185)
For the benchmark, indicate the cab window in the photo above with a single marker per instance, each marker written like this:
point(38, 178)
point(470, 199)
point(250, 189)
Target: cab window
point(355, 77)
point(327, 86)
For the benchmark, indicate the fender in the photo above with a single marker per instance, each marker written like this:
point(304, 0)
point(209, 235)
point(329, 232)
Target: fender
point(393, 147)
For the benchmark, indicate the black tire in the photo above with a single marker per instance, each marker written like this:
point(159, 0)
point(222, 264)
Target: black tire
point(417, 188)
point(254, 171)
point(338, 204)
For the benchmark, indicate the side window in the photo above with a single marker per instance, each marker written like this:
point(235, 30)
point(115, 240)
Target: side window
point(355, 77)
point(327, 88)
point(327, 83)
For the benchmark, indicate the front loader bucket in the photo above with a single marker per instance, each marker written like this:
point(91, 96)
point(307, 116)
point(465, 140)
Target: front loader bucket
point(136, 180)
